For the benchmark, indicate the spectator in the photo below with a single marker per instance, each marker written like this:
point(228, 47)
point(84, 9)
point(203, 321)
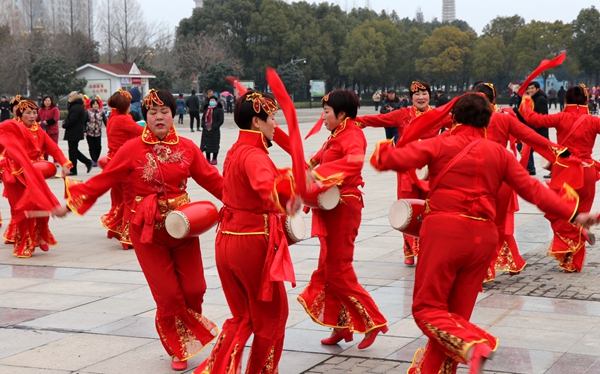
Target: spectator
point(514, 100)
point(390, 104)
point(552, 97)
point(561, 97)
point(48, 117)
point(441, 99)
point(180, 109)
point(229, 103)
point(193, 106)
point(4, 109)
point(136, 104)
point(74, 127)
point(404, 101)
point(209, 94)
point(376, 100)
point(93, 130)
point(540, 106)
point(212, 119)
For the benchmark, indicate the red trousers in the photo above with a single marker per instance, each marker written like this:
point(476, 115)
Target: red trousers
point(173, 269)
point(334, 298)
point(240, 261)
point(568, 244)
point(455, 254)
point(25, 233)
point(507, 256)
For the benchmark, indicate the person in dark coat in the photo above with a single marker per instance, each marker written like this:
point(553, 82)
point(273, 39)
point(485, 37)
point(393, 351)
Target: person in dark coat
point(540, 106)
point(4, 109)
point(561, 97)
point(390, 104)
point(212, 119)
point(193, 105)
point(74, 126)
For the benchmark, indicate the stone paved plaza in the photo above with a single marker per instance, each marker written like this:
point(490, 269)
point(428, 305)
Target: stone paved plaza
point(84, 306)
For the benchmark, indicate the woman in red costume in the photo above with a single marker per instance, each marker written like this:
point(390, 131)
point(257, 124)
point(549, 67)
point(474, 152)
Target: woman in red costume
point(119, 129)
point(334, 298)
point(503, 129)
point(408, 186)
point(249, 234)
point(28, 233)
point(158, 165)
point(577, 130)
point(458, 233)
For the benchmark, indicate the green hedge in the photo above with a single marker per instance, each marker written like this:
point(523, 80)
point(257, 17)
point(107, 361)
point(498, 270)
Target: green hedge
point(63, 114)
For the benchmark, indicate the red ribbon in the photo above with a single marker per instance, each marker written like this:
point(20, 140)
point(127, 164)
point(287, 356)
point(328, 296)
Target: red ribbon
point(544, 65)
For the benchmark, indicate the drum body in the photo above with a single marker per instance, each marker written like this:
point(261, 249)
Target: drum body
point(191, 219)
point(47, 168)
point(102, 162)
point(406, 216)
point(293, 227)
point(325, 198)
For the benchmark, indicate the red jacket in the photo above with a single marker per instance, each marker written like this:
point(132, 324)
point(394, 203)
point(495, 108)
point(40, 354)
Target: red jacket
point(51, 116)
point(581, 141)
point(342, 154)
point(469, 187)
point(119, 129)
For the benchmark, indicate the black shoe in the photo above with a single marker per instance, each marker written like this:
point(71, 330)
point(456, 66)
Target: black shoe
point(549, 176)
point(89, 167)
point(192, 130)
point(531, 171)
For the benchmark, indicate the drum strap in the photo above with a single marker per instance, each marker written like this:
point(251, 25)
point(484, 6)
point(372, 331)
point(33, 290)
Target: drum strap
point(453, 162)
point(575, 126)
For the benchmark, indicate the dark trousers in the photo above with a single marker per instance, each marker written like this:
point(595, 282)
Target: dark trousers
point(391, 133)
point(562, 104)
point(75, 154)
point(531, 163)
point(196, 115)
point(95, 146)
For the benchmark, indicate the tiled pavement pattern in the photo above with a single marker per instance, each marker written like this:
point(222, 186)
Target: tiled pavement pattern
point(84, 307)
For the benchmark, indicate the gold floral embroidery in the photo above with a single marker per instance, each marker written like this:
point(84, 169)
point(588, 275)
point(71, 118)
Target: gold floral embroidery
point(164, 155)
point(344, 318)
point(163, 338)
point(185, 336)
point(453, 344)
point(368, 321)
point(231, 369)
point(269, 367)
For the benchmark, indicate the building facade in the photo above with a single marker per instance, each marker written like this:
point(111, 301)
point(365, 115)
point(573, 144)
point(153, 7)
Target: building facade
point(448, 11)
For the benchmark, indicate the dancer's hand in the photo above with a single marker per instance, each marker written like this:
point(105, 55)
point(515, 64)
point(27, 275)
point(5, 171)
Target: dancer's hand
point(66, 170)
point(294, 206)
point(587, 219)
point(60, 211)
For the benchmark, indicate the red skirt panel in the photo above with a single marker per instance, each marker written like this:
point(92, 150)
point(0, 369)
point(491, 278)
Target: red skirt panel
point(568, 243)
point(448, 278)
point(240, 261)
point(25, 233)
point(333, 297)
point(173, 269)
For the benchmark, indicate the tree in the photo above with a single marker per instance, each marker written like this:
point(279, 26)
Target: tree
point(505, 27)
point(539, 41)
point(489, 59)
point(407, 65)
point(214, 79)
point(52, 75)
point(363, 54)
point(291, 76)
point(586, 41)
point(446, 55)
point(77, 48)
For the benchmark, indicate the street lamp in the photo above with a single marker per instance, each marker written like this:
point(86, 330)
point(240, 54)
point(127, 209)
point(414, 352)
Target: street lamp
point(293, 62)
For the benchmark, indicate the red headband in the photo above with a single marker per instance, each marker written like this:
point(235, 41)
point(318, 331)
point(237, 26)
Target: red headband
point(151, 99)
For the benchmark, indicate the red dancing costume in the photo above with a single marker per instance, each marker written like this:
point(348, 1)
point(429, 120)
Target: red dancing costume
point(458, 235)
point(157, 172)
point(502, 126)
point(119, 129)
point(408, 187)
point(333, 297)
point(27, 233)
point(568, 244)
point(249, 236)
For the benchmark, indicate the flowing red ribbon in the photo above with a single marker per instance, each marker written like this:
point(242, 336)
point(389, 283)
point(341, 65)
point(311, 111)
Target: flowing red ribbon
point(544, 65)
point(295, 139)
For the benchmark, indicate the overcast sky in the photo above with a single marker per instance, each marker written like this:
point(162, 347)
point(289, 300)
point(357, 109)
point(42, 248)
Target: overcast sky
point(477, 13)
